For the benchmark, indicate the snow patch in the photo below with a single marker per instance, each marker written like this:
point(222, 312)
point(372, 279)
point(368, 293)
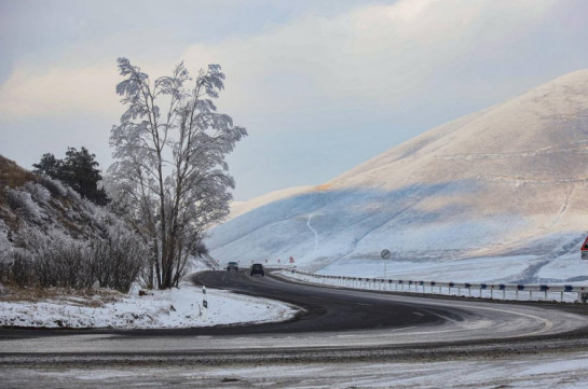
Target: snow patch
point(175, 308)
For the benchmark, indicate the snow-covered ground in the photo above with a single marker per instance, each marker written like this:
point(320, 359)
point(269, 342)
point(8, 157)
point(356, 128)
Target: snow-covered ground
point(501, 269)
point(551, 370)
point(494, 196)
point(175, 308)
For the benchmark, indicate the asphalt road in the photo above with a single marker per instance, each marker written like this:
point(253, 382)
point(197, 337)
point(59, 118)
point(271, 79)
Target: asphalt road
point(338, 329)
point(325, 310)
point(335, 324)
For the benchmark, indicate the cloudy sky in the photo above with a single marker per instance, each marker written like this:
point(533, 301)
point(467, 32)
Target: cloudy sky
point(320, 85)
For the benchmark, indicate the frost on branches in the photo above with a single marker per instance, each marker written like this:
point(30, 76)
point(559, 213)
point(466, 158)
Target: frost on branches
point(51, 237)
point(170, 176)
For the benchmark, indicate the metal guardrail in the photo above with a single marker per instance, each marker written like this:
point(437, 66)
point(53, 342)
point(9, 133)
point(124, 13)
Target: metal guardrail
point(482, 290)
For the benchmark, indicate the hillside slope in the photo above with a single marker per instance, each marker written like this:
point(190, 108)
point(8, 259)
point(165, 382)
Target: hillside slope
point(496, 195)
point(51, 237)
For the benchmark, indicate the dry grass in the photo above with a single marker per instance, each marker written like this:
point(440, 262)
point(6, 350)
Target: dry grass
point(93, 298)
point(13, 175)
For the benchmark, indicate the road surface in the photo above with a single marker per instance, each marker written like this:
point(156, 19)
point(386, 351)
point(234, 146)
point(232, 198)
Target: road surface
point(336, 326)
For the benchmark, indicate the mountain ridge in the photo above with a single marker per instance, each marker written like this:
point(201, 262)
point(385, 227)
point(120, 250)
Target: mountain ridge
point(502, 181)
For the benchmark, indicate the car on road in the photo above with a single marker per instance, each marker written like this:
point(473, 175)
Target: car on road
point(232, 266)
point(257, 268)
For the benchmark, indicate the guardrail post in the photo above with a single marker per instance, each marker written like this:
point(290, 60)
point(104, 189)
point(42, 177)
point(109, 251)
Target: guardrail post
point(384, 285)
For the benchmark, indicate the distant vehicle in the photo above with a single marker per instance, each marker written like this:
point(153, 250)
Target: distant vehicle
point(232, 266)
point(257, 268)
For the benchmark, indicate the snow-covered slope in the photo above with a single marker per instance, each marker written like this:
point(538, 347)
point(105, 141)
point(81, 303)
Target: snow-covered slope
point(240, 207)
point(505, 187)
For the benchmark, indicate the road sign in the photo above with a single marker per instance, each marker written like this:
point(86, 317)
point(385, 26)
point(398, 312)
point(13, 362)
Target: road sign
point(584, 249)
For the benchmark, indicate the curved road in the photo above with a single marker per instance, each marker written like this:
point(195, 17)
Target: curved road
point(339, 330)
point(336, 324)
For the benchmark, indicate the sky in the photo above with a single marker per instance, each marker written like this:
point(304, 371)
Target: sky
point(321, 86)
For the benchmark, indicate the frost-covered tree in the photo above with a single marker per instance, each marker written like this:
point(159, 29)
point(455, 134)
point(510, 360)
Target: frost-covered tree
point(170, 176)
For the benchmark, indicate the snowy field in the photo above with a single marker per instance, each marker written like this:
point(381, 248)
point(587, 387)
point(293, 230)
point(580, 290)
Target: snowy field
point(175, 308)
point(501, 269)
point(551, 370)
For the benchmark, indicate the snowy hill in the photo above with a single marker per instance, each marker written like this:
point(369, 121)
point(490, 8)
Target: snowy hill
point(43, 205)
point(240, 207)
point(51, 237)
point(500, 194)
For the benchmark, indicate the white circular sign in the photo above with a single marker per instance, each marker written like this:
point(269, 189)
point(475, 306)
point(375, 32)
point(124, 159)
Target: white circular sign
point(386, 254)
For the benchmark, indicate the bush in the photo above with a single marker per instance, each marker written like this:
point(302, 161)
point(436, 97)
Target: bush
point(119, 259)
point(57, 260)
point(55, 187)
point(38, 192)
point(23, 204)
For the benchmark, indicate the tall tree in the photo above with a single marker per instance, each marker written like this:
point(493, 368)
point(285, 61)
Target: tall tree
point(170, 173)
point(79, 170)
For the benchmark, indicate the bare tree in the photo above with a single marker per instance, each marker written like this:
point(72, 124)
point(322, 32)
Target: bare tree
point(170, 175)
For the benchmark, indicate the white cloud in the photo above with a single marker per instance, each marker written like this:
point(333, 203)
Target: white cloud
point(59, 92)
point(376, 55)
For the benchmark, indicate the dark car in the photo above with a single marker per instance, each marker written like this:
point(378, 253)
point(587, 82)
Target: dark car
point(257, 268)
point(232, 266)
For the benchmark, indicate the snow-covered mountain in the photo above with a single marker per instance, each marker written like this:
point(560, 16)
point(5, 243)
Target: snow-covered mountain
point(500, 194)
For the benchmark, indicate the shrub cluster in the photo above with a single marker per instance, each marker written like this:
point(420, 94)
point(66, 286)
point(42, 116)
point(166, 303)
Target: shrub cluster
point(54, 259)
point(52, 237)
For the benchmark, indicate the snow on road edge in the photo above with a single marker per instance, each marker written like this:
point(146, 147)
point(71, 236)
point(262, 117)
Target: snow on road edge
point(176, 308)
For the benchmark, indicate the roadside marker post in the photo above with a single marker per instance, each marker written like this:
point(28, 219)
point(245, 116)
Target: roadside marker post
point(385, 254)
point(204, 304)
